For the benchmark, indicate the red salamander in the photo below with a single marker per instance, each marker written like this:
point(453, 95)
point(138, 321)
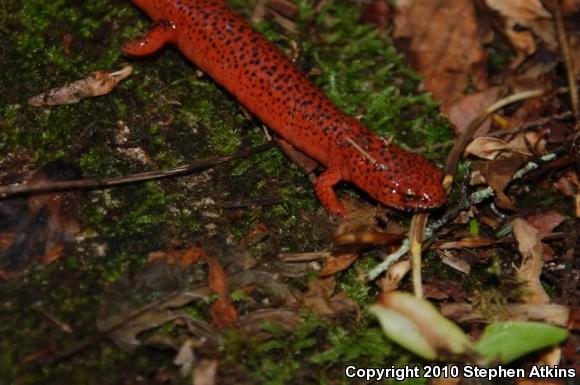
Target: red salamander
point(224, 45)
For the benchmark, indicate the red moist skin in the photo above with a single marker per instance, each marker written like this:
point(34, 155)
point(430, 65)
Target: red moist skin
point(224, 46)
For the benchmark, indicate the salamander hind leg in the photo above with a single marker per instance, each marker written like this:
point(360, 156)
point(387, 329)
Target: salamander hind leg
point(161, 33)
point(324, 190)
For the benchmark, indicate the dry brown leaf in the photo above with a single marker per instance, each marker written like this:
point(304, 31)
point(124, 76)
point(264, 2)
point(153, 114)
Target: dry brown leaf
point(442, 42)
point(366, 238)
point(469, 107)
point(498, 173)
point(546, 221)
point(529, 14)
point(322, 299)
point(334, 264)
point(223, 312)
point(252, 324)
point(530, 246)
point(468, 242)
point(490, 148)
point(96, 84)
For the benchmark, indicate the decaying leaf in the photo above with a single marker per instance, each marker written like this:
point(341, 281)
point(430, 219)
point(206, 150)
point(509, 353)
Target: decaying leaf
point(96, 84)
point(128, 297)
point(529, 14)
point(498, 174)
point(530, 270)
point(546, 221)
point(322, 299)
point(366, 238)
point(334, 264)
point(469, 107)
point(223, 311)
point(446, 50)
point(252, 324)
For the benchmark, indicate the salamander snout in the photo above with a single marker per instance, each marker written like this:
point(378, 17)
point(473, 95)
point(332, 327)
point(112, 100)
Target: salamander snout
point(402, 179)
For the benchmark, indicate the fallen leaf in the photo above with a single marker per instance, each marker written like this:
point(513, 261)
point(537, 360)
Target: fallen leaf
point(223, 312)
point(530, 246)
point(334, 264)
point(490, 148)
point(467, 108)
point(498, 174)
point(127, 304)
point(546, 221)
point(96, 84)
point(252, 324)
point(529, 14)
point(322, 299)
point(442, 42)
point(366, 238)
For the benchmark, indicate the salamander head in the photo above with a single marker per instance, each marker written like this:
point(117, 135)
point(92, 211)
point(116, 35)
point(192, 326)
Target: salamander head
point(400, 179)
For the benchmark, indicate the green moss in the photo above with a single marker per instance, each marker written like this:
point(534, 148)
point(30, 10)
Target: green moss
point(174, 116)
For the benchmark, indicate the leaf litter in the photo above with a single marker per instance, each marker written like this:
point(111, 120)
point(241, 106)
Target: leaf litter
point(518, 242)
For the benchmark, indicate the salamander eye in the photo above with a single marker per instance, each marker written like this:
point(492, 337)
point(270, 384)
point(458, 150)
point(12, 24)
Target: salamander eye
point(413, 196)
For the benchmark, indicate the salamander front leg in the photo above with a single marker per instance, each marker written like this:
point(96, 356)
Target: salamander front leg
point(324, 190)
point(162, 33)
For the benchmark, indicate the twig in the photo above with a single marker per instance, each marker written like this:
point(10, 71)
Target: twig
point(531, 124)
point(450, 166)
point(50, 186)
point(304, 257)
point(416, 231)
point(461, 142)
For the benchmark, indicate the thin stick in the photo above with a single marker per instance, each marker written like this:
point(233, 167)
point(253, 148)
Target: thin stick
point(51, 186)
point(416, 231)
point(461, 142)
point(450, 166)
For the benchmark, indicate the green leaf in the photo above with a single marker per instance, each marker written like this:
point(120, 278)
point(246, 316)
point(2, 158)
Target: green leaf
point(507, 341)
